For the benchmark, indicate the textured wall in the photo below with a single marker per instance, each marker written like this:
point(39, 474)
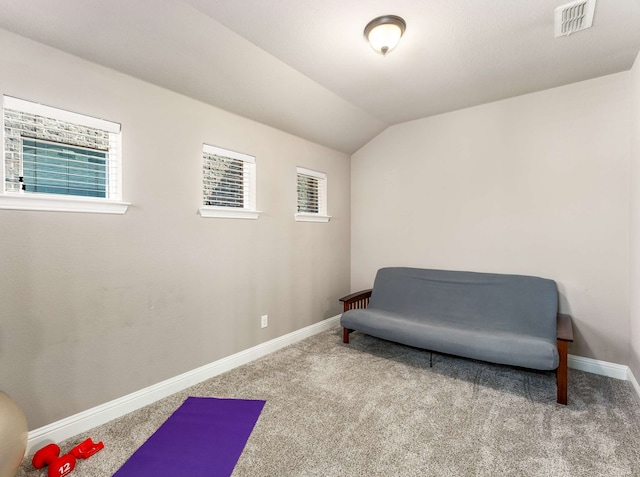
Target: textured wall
point(97, 306)
point(537, 185)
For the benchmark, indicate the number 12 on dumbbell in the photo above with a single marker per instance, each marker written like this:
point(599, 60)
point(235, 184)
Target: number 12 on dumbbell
point(64, 469)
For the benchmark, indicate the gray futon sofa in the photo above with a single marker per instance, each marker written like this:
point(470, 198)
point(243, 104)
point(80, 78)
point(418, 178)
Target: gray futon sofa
point(504, 319)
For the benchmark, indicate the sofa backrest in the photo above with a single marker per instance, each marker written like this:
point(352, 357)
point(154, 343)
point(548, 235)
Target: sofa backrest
point(510, 303)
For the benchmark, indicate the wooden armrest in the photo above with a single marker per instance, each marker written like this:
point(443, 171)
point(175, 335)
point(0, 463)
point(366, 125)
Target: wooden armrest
point(356, 296)
point(564, 327)
point(356, 300)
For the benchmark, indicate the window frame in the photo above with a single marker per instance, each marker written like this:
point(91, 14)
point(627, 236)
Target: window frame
point(322, 216)
point(38, 201)
point(249, 210)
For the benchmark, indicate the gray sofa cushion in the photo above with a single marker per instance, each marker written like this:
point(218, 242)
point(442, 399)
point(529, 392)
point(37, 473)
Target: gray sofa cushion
point(507, 319)
point(502, 347)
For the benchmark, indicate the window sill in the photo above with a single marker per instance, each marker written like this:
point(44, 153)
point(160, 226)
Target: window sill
point(208, 211)
point(48, 203)
point(312, 218)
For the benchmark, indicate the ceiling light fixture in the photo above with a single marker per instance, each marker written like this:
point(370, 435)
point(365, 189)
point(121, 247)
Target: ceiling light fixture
point(384, 33)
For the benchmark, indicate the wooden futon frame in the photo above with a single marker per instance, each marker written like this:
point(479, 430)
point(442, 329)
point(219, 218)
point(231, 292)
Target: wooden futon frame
point(564, 334)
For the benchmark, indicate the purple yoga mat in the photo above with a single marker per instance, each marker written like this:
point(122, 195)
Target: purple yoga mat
point(203, 437)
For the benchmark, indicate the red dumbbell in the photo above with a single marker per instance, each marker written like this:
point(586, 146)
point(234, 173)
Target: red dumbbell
point(59, 466)
point(86, 449)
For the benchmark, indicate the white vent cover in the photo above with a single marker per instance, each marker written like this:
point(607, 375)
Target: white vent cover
point(574, 16)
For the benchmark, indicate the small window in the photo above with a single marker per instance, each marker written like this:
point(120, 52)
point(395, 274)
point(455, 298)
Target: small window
point(58, 160)
point(228, 184)
point(312, 196)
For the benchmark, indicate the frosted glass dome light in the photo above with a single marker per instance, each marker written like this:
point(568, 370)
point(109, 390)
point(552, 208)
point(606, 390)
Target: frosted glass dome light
point(384, 33)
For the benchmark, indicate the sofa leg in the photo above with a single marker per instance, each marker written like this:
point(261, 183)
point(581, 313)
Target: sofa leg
point(562, 371)
point(345, 335)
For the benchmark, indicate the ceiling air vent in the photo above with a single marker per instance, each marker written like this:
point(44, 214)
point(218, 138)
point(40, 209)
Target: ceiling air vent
point(574, 16)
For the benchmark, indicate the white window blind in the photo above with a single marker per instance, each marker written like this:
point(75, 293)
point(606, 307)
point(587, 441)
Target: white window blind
point(52, 151)
point(312, 195)
point(229, 183)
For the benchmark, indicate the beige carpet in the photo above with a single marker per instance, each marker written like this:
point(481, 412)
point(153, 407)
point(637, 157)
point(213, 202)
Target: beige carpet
point(374, 408)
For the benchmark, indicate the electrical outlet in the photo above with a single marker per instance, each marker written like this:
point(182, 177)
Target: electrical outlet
point(264, 320)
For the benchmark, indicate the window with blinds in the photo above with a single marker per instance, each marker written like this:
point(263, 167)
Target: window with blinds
point(53, 168)
point(52, 151)
point(312, 196)
point(229, 183)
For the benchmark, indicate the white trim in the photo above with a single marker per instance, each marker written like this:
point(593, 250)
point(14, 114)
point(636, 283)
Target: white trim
point(86, 420)
point(250, 178)
point(322, 214)
point(632, 379)
point(595, 366)
point(2, 160)
point(115, 167)
point(57, 202)
point(61, 203)
point(218, 151)
point(308, 217)
point(604, 368)
point(60, 114)
point(209, 211)
point(311, 172)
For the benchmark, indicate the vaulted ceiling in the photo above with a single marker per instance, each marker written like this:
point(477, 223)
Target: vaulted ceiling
point(303, 66)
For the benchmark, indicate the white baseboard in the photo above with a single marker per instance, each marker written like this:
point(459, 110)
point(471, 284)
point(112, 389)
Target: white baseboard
point(603, 368)
point(86, 420)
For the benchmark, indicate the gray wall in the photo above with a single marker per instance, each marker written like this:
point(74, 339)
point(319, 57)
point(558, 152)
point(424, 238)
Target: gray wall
point(97, 306)
point(536, 185)
point(634, 361)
